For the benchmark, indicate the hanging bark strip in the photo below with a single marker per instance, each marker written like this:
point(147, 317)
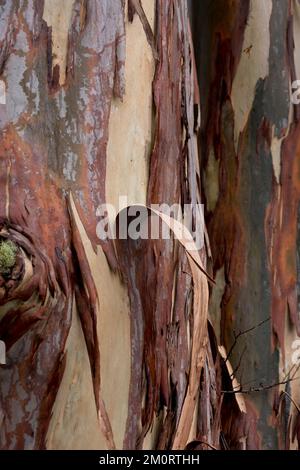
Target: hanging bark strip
point(135, 6)
point(155, 328)
point(135, 266)
point(164, 322)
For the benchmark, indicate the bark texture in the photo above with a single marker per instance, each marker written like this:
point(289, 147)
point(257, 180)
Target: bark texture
point(117, 345)
point(247, 57)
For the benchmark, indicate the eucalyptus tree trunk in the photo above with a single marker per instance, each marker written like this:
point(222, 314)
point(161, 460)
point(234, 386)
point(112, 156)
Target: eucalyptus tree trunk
point(115, 343)
point(247, 56)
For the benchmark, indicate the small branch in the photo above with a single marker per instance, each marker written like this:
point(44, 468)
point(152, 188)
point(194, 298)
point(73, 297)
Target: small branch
point(289, 373)
point(239, 363)
point(241, 333)
point(261, 388)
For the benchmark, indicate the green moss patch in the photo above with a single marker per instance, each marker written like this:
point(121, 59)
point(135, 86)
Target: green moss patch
point(8, 256)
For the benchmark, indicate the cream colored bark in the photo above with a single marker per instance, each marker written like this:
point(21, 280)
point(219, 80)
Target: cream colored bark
point(74, 422)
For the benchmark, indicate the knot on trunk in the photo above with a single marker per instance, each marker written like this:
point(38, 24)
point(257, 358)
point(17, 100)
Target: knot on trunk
point(8, 256)
point(27, 282)
point(11, 266)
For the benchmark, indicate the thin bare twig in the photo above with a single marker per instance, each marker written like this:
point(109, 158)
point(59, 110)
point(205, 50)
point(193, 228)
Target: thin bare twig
point(260, 389)
point(241, 333)
point(239, 363)
point(297, 368)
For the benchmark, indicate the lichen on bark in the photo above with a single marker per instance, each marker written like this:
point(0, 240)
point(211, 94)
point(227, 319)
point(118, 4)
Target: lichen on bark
point(8, 252)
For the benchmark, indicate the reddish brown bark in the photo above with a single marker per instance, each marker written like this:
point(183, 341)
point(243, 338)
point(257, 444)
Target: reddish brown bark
point(252, 223)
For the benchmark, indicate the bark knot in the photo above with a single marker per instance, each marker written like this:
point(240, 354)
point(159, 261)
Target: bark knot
point(8, 256)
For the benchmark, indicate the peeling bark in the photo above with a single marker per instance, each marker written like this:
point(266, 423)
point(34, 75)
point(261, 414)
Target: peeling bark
point(53, 141)
point(250, 173)
point(231, 143)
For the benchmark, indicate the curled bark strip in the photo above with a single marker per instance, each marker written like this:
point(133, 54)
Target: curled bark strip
point(144, 317)
point(139, 263)
point(160, 336)
point(135, 6)
point(198, 353)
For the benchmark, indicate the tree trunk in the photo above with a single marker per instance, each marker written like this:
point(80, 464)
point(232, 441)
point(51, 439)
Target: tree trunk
point(128, 343)
point(247, 60)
